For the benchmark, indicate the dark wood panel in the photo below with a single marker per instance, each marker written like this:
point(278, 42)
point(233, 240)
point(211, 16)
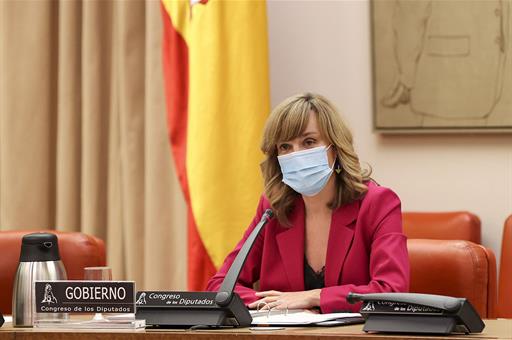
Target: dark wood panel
point(495, 329)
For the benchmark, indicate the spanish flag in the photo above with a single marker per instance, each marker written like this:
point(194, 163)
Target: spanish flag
point(215, 59)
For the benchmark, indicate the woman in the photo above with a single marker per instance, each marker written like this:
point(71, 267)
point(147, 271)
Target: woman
point(335, 230)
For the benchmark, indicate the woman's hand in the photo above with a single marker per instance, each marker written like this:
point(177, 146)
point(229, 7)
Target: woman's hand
point(273, 299)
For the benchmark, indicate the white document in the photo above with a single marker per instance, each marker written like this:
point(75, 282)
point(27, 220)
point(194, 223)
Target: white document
point(300, 317)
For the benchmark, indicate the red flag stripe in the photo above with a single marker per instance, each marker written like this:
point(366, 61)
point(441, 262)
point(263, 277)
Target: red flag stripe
point(176, 79)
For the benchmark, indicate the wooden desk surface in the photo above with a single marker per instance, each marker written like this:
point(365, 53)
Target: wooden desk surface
point(495, 329)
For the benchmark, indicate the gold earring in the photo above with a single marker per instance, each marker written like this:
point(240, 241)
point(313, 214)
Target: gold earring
point(338, 168)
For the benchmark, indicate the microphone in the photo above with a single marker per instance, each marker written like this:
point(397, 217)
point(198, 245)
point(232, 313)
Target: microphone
point(417, 313)
point(226, 291)
point(202, 309)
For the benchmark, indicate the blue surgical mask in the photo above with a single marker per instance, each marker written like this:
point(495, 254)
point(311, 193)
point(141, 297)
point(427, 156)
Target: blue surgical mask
point(307, 171)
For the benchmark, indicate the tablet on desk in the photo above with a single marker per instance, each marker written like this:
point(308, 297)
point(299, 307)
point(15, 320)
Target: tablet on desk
point(341, 322)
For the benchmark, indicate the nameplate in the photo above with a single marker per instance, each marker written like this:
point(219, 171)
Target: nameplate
point(175, 299)
point(85, 296)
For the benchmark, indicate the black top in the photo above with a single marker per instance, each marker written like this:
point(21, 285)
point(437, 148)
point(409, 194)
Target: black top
point(39, 247)
point(312, 279)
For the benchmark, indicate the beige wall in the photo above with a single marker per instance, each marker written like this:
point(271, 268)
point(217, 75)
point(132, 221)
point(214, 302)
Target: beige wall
point(324, 47)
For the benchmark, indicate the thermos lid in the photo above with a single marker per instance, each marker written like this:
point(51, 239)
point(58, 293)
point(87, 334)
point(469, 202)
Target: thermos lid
point(39, 247)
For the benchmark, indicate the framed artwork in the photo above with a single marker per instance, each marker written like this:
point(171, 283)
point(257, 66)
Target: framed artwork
point(442, 65)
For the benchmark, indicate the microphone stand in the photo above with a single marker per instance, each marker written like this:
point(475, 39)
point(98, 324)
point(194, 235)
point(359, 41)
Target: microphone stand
point(226, 291)
point(224, 308)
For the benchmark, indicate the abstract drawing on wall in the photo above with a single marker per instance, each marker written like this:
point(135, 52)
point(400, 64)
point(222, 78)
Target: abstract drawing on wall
point(442, 65)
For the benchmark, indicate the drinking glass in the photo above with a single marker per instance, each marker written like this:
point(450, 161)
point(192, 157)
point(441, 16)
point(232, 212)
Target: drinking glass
point(98, 274)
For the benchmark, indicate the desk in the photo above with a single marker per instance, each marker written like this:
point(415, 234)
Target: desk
point(495, 329)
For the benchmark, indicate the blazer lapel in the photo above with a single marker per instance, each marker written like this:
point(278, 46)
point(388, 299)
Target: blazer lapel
point(340, 239)
point(291, 248)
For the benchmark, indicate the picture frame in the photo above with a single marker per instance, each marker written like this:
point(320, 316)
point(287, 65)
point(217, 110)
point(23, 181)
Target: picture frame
point(442, 65)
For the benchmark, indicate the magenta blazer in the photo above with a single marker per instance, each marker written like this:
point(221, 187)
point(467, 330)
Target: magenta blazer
point(366, 252)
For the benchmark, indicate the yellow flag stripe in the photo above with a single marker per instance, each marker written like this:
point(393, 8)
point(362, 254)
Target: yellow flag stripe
point(179, 12)
point(229, 102)
point(228, 105)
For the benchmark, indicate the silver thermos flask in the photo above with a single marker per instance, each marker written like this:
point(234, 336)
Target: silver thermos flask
point(39, 260)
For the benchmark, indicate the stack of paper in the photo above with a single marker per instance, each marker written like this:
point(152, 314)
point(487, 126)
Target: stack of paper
point(300, 317)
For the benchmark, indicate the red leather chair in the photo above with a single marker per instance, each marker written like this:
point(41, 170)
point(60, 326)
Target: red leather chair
point(457, 225)
point(454, 268)
point(77, 251)
point(505, 283)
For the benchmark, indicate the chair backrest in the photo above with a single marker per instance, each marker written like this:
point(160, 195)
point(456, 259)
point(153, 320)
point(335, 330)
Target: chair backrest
point(77, 251)
point(454, 268)
point(505, 283)
point(456, 225)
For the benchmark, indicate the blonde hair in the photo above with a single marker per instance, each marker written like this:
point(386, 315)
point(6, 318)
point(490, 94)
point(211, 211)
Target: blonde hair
point(288, 121)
